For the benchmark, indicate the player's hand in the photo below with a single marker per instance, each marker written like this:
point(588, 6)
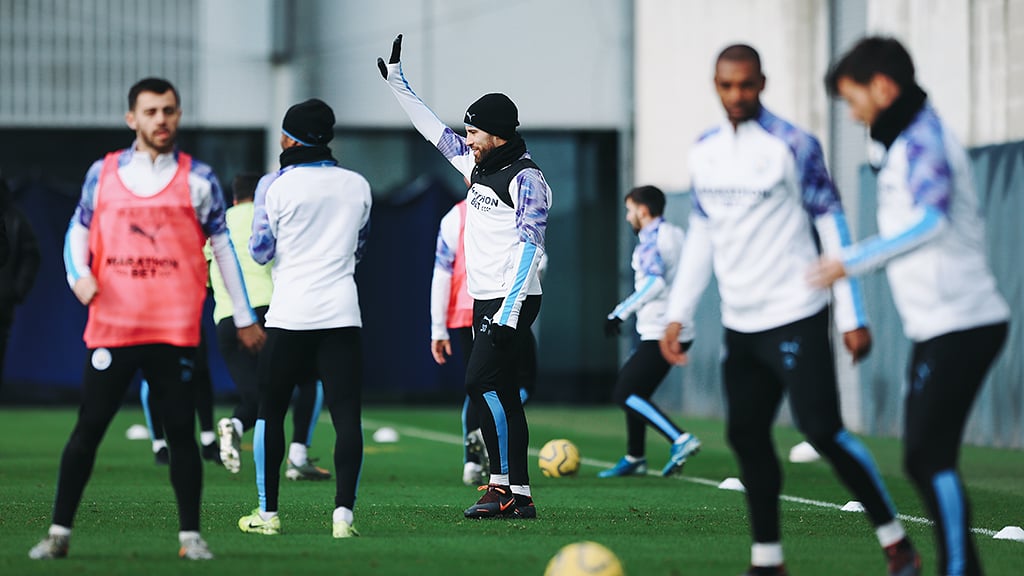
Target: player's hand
point(501, 335)
point(252, 337)
point(670, 347)
point(858, 342)
point(612, 326)
point(440, 350)
point(85, 289)
point(825, 272)
point(396, 57)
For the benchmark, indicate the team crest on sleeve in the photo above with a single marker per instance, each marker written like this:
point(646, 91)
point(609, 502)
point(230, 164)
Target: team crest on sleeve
point(102, 359)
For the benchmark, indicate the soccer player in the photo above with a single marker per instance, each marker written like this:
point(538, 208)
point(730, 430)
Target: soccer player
point(759, 183)
point(242, 364)
point(932, 244)
point(654, 264)
point(507, 208)
point(134, 256)
point(311, 218)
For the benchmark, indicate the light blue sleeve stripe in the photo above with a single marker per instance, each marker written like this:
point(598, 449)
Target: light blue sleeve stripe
point(259, 456)
point(876, 252)
point(856, 296)
point(631, 301)
point(318, 405)
point(69, 262)
point(529, 254)
point(144, 399)
point(950, 501)
point(854, 448)
point(649, 413)
point(524, 395)
point(498, 411)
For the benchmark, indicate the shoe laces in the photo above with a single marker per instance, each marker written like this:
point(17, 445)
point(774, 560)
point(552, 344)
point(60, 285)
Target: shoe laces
point(495, 493)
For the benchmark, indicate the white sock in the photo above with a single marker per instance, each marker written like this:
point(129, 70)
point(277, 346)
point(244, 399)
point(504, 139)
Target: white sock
point(342, 514)
point(766, 554)
point(890, 533)
point(683, 438)
point(267, 515)
point(158, 444)
point(187, 535)
point(499, 479)
point(522, 490)
point(207, 437)
point(238, 426)
point(297, 453)
point(634, 459)
point(58, 530)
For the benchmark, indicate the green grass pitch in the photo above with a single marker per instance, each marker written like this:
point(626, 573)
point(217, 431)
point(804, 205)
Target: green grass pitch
point(411, 500)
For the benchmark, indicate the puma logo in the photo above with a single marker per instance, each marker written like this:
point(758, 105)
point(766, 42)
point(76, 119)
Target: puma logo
point(136, 229)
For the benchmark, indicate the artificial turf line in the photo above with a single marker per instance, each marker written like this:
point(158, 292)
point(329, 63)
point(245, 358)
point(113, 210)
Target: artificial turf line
point(458, 441)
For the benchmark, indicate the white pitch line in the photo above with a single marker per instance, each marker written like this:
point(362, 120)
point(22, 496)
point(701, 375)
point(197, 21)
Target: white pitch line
point(458, 441)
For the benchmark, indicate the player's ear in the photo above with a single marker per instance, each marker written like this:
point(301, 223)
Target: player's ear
point(129, 119)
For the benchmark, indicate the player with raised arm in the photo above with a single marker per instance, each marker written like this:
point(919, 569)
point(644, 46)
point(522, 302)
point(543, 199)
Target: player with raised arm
point(504, 241)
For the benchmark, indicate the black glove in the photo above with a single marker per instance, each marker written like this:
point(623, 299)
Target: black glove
point(612, 326)
point(396, 56)
point(501, 335)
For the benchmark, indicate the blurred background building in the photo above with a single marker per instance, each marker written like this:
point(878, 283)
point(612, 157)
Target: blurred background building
point(610, 93)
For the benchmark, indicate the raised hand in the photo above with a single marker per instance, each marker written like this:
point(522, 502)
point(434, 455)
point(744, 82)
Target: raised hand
point(396, 57)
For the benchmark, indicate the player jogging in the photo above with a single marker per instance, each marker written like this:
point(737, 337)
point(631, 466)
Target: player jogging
point(654, 265)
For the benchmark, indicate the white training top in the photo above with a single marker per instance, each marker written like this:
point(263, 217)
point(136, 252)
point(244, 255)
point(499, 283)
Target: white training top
point(756, 191)
point(504, 244)
point(655, 261)
point(931, 235)
point(312, 220)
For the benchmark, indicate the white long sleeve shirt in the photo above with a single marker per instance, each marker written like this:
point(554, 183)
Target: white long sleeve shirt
point(655, 262)
point(504, 244)
point(444, 266)
point(759, 193)
point(146, 177)
point(931, 235)
point(312, 221)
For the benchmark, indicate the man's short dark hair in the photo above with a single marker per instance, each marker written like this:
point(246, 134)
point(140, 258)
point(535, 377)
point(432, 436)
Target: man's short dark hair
point(873, 55)
point(650, 196)
point(740, 53)
point(154, 85)
point(243, 187)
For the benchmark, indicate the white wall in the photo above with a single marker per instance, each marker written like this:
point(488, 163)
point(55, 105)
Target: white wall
point(677, 43)
point(234, 71)
point(563, 63)
point(968, 59)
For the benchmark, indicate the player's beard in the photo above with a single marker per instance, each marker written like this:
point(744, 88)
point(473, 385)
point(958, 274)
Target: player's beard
point(152, 142)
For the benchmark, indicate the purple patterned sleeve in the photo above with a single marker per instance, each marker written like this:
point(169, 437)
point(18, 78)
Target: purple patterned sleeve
point(648, 255)
point(532, 207)
point(929, 176)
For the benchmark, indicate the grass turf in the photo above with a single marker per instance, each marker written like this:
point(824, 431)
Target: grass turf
point(411, 500)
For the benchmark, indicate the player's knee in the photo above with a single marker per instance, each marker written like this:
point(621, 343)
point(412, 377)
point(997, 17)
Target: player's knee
point(919, 464)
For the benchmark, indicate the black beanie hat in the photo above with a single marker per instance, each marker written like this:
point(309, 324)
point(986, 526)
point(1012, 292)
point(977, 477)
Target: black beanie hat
point(495, 114)
point(310, 123)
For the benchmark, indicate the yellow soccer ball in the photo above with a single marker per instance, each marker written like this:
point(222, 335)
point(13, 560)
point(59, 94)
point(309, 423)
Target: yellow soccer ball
point(584, 559)
point(559, 458)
